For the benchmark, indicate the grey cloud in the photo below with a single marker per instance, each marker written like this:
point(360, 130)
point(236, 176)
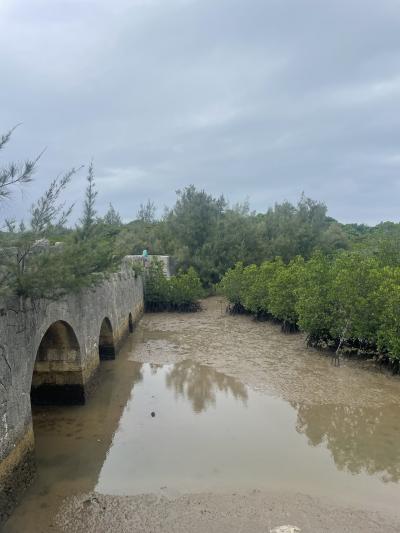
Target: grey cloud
point(254, 98)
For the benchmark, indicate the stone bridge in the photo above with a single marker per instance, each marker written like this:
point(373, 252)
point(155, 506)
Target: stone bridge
point(49, 354)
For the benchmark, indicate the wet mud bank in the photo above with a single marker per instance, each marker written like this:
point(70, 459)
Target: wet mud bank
point(252, 512)
point(258, 354)
point(353, 349)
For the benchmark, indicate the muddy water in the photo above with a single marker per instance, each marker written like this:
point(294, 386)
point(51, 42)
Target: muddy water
point(236, 405)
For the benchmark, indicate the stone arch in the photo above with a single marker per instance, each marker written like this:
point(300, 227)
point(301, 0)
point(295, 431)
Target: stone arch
point(131, 325)
point(57, 373)
point(106, 340)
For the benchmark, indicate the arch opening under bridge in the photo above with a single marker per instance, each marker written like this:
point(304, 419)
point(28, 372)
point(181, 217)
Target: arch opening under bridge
point(57, 373)
point(106, 340)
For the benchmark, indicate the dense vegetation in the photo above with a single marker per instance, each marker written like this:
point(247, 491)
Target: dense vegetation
point(179, 293)
point(199, 231)
point(348, 301)
point(208, 234)
point(340, 283)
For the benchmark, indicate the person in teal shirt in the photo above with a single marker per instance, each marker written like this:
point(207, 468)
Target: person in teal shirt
point(145, 256)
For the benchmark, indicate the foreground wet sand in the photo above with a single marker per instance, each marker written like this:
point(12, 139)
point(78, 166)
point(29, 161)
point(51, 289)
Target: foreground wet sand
point(253, 512)
point(251, 431)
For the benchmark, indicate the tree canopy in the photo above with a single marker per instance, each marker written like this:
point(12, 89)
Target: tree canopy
point(292, 262)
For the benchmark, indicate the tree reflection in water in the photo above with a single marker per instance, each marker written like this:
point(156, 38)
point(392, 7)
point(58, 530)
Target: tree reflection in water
point(200, 384)
point(155, 367)
point(359, 438)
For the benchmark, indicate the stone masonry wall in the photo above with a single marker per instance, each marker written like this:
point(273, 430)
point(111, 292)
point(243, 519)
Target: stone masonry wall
point(22, 327)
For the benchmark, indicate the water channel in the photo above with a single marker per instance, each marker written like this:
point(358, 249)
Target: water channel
point(210, 402)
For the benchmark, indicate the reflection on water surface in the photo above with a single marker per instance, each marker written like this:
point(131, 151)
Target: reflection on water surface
point(212, 432)
point(201, 384)
point(359, 439)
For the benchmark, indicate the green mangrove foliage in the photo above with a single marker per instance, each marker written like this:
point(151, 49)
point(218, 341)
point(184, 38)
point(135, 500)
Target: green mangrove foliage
point(178, 293)
point(347, 301)
point(282, 292)
point(389, 300)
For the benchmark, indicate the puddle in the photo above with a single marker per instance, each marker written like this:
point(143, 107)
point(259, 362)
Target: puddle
point(210, 432)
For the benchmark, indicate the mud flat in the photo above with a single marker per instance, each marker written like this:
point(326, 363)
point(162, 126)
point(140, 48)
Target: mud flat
point(208, 422)
point(259, 355)
point(252, 512)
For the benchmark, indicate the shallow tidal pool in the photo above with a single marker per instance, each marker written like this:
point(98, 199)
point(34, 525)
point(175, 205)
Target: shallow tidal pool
point(166, 419)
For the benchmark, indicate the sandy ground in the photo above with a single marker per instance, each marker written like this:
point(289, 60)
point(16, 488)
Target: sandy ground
point(253, 512)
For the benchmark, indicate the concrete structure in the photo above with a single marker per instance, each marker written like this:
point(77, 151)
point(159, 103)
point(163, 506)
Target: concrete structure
point(50, 351)
point(165, 260)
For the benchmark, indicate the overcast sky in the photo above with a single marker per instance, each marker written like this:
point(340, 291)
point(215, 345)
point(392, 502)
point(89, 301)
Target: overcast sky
point(261, 99)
